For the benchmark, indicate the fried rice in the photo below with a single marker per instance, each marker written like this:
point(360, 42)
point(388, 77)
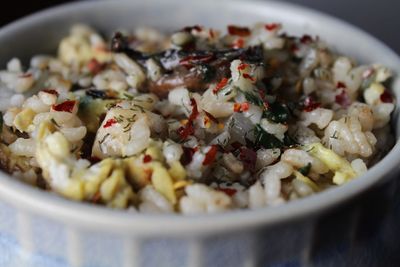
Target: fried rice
point(197, 121)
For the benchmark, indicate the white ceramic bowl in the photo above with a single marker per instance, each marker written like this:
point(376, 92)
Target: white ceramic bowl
point(40, 229)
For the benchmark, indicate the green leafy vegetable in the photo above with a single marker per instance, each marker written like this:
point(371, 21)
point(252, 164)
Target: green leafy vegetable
point(253, 98)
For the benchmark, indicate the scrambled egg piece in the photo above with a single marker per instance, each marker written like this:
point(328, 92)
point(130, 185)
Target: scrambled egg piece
point(73, 178)
point(340, 166)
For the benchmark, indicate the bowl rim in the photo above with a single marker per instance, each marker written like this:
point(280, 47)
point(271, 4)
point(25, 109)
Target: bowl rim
point(83, 215)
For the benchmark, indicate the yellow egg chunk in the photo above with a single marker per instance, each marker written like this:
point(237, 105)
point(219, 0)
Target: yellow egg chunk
point(340, 166)
point(163, 183)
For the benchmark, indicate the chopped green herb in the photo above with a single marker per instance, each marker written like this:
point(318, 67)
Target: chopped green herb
point(252, 98)
point(305, 170)
point(127, 96)
point(266, 140)
point(277, 113)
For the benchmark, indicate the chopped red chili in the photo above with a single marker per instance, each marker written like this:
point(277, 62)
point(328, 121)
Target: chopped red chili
point(147, 158)
point(238, 43)
point(244, 106)
point(195, 111)
point(340, 85)
point(343, 99)
point(211, 117)
point(386, 97)
point(310, 104)
point(50, 91)
point(110, 123)
point(210, 156)
point(66, 106)
point(247, 76)
point(236, 107)
point(220, 85)
point(242, 66)
point(229, 191)
point(271, 26)
point(188, 129)
point(238, 31)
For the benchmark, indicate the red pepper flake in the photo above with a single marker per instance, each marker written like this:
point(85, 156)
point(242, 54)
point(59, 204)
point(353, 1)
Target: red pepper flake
point(306, 39)
point(210, 156)
point(50, 91)
point(271, 26)
point(110, 123)
point(220, 85)
point(244, 106)
point(184, 132)
point(66, 106)
point(195, 111)
point(248, 157)
point(340, 85)
point(247, 76)
point(212, 118)
point(386, 97)
point(343, 99)
point(238, 31)
point(242, 66)
point(236, 107)
point(190, 60)
point(229, 191)
point(147, 158)
point(94, 66)
point(310, 104)
point(238, 43)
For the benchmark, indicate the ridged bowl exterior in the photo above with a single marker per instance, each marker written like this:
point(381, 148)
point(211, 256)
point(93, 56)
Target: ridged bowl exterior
point(35, 233)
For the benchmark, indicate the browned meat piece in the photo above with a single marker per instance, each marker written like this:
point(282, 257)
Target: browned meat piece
point(193, 69)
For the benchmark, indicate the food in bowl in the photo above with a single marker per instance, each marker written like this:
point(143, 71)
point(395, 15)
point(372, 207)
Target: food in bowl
point(195, 122)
